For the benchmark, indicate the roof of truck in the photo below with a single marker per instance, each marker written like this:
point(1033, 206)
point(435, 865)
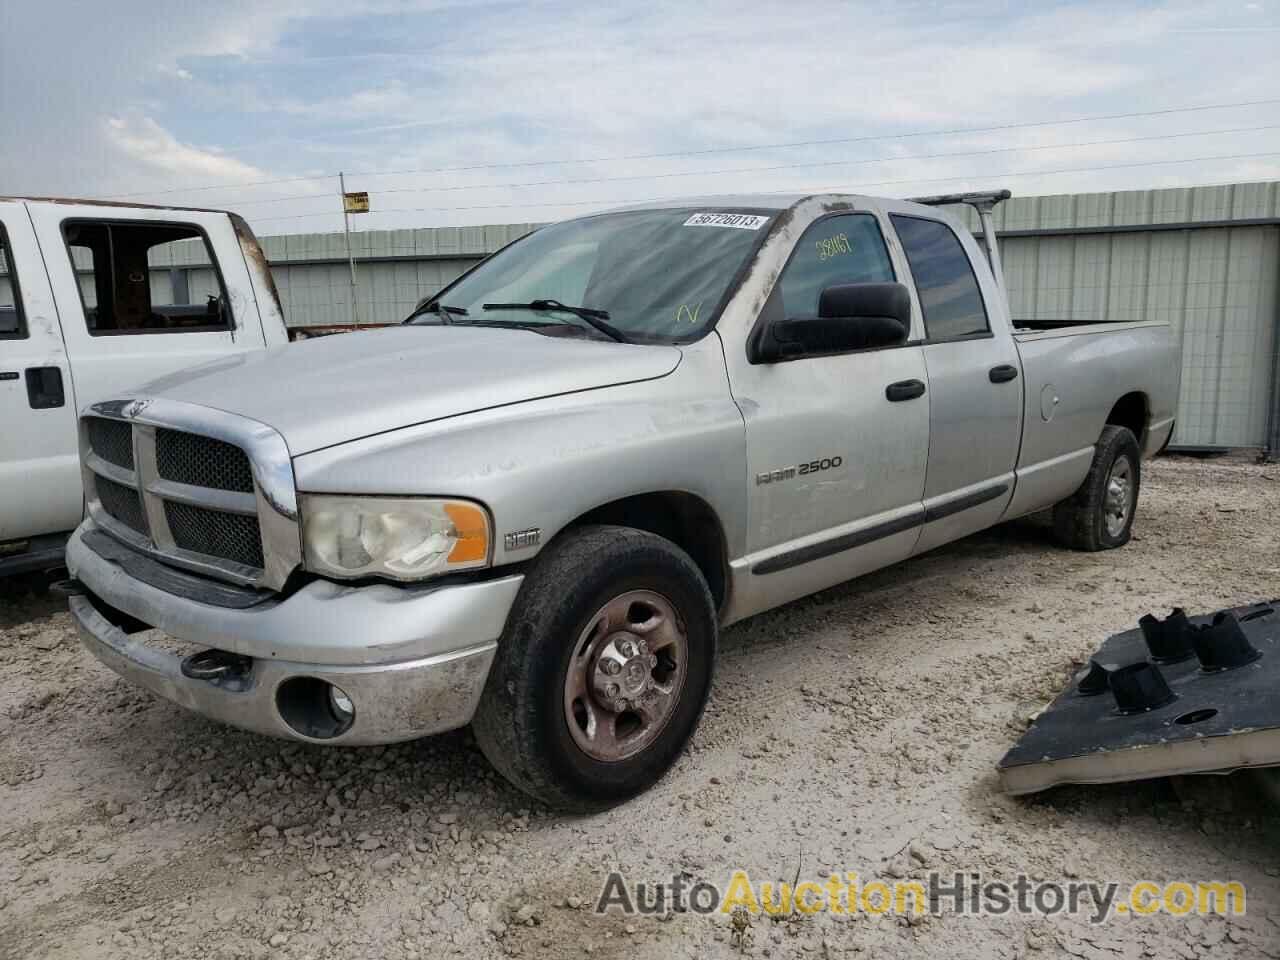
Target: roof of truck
point(780, 202)
point(759, 201)
point(88, 201)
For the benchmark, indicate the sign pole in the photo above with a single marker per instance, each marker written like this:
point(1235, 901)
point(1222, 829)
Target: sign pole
point(346, 229)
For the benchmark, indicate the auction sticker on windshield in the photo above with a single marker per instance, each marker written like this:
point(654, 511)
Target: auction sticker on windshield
point(742, 221)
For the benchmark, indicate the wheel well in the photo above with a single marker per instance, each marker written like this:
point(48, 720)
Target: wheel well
point(1130, 411)
point(685, 520)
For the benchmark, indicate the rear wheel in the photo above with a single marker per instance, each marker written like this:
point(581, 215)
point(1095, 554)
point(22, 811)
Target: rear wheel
point(604, 669)
point(1099, 515)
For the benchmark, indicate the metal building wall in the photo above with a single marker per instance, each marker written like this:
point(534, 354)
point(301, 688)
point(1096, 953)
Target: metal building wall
point(1204, 259)
point(395, 269)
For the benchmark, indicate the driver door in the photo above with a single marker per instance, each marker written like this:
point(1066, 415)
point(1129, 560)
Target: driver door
point(836, 461)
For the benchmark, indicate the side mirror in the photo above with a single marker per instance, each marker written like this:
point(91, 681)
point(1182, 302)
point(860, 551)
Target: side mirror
point(851, 316)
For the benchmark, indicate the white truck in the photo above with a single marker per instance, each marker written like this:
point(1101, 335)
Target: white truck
point(533, 507)
point(96, 298)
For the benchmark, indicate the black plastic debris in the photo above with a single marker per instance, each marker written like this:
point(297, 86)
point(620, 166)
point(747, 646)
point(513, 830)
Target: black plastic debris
point(1096, 680)
point(1222, 645)
point(1169, 640)
point(1194, 694)
point(1139, 687)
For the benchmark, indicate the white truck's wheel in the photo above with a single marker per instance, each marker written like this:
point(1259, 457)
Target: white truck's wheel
point(603, 671)
point(1099, 515)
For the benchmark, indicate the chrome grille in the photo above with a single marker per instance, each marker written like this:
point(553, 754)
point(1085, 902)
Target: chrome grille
point(202, 461)
point(180, 482)
point(112, 441)
point(122, 503)
point(232, 536)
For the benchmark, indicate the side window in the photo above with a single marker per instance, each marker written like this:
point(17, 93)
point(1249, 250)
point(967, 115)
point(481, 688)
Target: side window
point(845, 249)
point(944, 278)
point(146, 278)
point(13, 325)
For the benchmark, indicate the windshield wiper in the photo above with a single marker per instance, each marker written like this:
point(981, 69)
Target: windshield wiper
point(444, 311)
point(598, 319)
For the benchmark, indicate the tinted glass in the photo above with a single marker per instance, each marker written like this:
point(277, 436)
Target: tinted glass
point(845, 249)
point(944, 278)
point(146, 278)
point(12, 326)
point(660, 274)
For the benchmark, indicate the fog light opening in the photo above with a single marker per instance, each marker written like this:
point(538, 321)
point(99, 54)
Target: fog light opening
point(315, 708)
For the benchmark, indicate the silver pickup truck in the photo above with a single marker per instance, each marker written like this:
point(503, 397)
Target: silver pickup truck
point(533, 506)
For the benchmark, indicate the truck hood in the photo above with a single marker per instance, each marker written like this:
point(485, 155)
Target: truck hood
point(326, 391)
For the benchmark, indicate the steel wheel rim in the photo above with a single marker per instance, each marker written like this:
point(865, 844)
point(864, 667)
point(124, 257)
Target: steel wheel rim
point(626, 674)
point(1117, 502)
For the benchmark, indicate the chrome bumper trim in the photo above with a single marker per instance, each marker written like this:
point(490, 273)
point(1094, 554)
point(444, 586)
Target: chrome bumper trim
point(393, 701)
point(323, 622)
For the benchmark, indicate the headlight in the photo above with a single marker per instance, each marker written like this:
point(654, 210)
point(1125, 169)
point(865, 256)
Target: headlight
point(406, 539)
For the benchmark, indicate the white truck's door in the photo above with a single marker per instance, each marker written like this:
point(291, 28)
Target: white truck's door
point(145, 292)
point(39, 463)
point(975, 382)
point(835, 458)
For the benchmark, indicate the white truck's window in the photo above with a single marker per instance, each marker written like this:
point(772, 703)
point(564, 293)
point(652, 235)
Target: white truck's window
point(146, 278)
point(949, 293)
point(12, 324)
point(844, 249)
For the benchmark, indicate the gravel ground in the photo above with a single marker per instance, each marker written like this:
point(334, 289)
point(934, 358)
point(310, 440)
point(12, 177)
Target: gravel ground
point(855, 730)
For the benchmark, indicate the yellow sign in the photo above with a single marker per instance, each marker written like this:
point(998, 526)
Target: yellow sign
point(356, 202)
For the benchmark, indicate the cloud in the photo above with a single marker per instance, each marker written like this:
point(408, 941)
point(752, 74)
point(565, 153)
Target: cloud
point(148, 144)
point(497, 94)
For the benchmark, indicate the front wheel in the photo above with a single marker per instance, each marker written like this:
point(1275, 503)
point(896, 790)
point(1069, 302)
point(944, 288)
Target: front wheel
point(1099, 515)
point(603, 671)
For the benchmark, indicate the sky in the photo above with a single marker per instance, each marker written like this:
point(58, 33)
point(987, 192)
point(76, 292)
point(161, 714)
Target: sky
point(451, 112)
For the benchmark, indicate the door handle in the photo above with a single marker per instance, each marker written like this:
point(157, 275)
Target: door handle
point(904, 390)
point(1002, 373)
point(10, 375)
point(44, 388)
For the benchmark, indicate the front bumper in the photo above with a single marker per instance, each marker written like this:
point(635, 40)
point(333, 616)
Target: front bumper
point(412, 660)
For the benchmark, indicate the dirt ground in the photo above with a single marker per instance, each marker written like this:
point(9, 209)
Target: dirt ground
point(856, 730)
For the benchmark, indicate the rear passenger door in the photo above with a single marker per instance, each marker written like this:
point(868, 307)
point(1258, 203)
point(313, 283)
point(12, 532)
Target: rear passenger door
point(145, 293)
point(39, 466)
point(975, 384)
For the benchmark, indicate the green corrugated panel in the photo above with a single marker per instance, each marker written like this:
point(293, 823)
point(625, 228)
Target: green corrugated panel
point(1094, 210)
point(1171, 206)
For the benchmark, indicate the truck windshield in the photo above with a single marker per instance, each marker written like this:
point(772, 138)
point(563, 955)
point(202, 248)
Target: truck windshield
point(654, 275)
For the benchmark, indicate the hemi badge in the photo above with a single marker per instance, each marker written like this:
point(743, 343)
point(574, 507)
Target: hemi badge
point(522, 539)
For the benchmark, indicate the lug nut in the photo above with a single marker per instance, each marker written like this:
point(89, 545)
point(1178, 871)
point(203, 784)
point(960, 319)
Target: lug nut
point(611, 690)
point(653, 660)
point(619, 706)
point(626, 649)
point(611, 667)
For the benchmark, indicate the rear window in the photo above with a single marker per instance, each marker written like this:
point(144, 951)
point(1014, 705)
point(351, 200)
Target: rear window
point(949, 294)
point(13, 325)
point(138, 278)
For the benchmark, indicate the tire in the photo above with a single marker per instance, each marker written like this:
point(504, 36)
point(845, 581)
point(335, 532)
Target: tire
point(589, 585)
point(1090, 518)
